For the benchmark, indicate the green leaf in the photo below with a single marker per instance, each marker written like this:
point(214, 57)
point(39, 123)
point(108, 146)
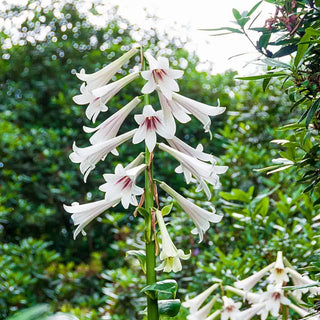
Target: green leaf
point(275, 63)
point(141, 256)
point(264, 40)
point(236, 14)
point(311, 111)
point(263, 76)
point(254, 8)
point(262, 207)
point(265, 84)
point(33, 313)
point(169, 308)
point(284, 51)
point(302, 48)
point(169, 286)
point(143, 212)
point(167, 209)
point(234, 30)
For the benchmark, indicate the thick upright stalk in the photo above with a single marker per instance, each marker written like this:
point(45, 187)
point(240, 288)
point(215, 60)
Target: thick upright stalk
point(152, 302)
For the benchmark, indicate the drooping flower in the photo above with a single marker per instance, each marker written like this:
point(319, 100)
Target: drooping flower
point(97, 98)
point(192, 167)
point(214, 315)
point(95, 105)
point(230, 309)
point(248, 283)
point(103, 76)
point(250, 296)
point(197, 153)
point(272, 300)
point(88, 157)
point(204, 311)
point(161, 76)
point(195, 303)
point(109, 128)
point(151, 123)
point(122, 184)
point(250, 313)
point(61, 316)
point(305, 314)
point(169, 255)
point(199, 110)
point(83, 214)
point(200, 217)
point(278, 273)
point(172, 109)
point(303, 281)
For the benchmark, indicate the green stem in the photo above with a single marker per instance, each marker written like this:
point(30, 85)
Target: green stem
point(152, 302)
point(284, 312)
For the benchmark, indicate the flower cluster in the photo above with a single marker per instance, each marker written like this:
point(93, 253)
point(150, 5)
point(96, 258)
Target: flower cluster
point(120, 187)
point(262, 302)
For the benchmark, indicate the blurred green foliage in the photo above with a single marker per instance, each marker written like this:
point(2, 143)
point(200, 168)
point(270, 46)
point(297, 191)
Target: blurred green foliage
point(90, 277)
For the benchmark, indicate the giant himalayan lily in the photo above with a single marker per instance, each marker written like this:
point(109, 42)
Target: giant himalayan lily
point(152, 123)
point(88, 157)
point(160, 76)
point(169, 254)
point(83, 214)
point(203, 172)
point(200, 217)
point(122, 184)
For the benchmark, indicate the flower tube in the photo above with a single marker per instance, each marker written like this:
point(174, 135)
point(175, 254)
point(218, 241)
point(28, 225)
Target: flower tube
point(169, 253)
point(200, 217)
point(195, 303)
point(83, 214)
point(109, 128)
point(88, 157)
point(161, 76)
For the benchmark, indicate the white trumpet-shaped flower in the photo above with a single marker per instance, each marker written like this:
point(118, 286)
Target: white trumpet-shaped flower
point(305, 314)
point(278, 273)
point(249, 296)
point(88, 157)
point(248, 283)
point(172, 109)
point(303, 281)
point(204, 311)
point(200, 217)
point(97, 98)
point(195, 303)
point(61, 316)
point(230, 309)
point(214, 315)
point(169, 254)
point(122, 184)
point(250, 313)
point(151, 123)
point(199, 110)
point(160, 75)
point(197, 152)
point(83, 214)
point(272, 300)
point(192, 167)
point(103, 76)
point(95, 105)
point(109, 128)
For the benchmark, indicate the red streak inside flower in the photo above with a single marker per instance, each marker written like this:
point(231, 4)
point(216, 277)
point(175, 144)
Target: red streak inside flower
point(158, 74)
point(151, 123)
point(229, 308)
point(276, 295)
point(125, 181)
